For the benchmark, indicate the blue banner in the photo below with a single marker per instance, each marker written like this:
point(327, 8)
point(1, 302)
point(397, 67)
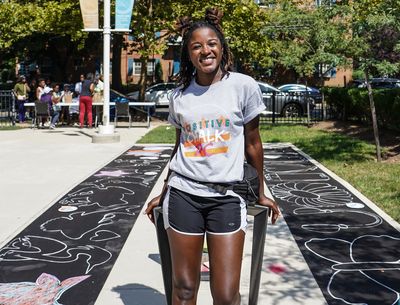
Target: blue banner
point(123, 13)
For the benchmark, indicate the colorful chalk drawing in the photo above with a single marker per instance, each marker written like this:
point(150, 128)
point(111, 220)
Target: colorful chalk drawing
point(47, 290)
point(83, 232)
point(362, 271)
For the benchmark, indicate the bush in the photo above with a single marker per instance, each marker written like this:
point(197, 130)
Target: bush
point(353, 103)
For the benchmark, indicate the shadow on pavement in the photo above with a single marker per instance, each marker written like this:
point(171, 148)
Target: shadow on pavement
point(138, 294)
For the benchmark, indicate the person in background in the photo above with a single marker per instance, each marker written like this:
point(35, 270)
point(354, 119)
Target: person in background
point(46, 97)
point(99, 85)
point(85, 101)
point(21, 91)
point(56, 108)
point(48, 82)
point(40, 89)
point(32, 92)
point(32, 97)
point(66, 98)
point(78, 85)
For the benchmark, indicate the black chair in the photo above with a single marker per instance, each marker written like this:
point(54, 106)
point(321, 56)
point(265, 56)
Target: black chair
point(260, 214)
point(41, 111)
point(122, 110)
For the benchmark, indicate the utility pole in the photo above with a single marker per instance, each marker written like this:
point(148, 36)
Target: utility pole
point(106, 133)
point(106, 128)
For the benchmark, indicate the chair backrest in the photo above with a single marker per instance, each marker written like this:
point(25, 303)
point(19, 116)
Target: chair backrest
point(41, 108)
point(122, 108)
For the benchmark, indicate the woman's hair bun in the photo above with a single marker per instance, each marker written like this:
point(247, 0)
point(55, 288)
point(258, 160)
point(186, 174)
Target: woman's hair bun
point(183, 24)
point(214, 16)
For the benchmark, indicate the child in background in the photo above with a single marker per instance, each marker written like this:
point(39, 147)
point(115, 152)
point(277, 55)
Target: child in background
point(66, 98)
point(56, 108)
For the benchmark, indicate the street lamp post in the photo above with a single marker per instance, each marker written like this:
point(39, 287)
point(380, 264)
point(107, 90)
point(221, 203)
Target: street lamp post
point(106, 128)
point(106, 131)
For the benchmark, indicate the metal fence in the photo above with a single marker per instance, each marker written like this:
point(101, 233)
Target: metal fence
point(294, 107)
point(7, 108)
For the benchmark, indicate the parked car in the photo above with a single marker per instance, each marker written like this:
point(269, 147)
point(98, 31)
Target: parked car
point(385, 83)
point(377, 83)
point(286, 104)
point(356, 83)
point(116, 96)
point(313, 93)
point(157, 93)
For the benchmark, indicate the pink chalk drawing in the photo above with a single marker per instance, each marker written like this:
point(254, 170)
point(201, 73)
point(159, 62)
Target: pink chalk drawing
point(277, 268)
point(47, 290)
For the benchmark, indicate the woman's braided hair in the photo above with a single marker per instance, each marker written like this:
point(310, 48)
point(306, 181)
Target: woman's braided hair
point(212, 21)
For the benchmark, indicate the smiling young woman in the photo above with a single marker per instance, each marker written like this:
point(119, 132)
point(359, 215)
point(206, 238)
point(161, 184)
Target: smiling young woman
point(216, 116)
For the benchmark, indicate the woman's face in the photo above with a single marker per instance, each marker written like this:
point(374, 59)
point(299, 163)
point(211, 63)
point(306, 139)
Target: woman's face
point(205, 53)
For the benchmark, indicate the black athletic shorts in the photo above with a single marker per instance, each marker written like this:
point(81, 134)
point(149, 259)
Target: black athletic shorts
point(194, 215)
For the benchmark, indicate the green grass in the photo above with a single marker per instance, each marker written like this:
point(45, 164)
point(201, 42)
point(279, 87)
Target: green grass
point(163, 135)
point(351, 159)
point(7, 127)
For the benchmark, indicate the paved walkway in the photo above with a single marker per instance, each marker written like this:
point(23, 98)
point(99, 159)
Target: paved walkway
point(39, 166)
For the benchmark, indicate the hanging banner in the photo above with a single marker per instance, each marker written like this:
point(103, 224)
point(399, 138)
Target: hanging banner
point(90, 14)
point(123, 14)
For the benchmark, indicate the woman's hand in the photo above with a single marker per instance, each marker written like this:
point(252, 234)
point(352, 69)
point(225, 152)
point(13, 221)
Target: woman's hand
point(155, 202)
point(273, 207)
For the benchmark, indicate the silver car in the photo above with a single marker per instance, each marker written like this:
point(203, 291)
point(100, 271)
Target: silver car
point(287, 104)
point(157, 93)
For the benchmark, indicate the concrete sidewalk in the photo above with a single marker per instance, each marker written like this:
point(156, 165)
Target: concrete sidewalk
point(39, 166)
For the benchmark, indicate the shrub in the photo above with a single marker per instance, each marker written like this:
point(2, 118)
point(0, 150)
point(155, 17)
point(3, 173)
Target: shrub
point(353, 103)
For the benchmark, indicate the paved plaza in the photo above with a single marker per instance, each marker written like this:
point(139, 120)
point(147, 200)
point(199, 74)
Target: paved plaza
point(39, 167)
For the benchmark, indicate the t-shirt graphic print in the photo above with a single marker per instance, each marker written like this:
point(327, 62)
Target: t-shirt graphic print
point(207, 136)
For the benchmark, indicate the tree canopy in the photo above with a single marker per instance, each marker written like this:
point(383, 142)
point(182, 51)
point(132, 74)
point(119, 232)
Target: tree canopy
point(283, 34)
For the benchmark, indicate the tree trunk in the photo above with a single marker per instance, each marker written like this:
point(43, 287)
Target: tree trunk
point(143, 78)
point(373, 114)
point(116, 62)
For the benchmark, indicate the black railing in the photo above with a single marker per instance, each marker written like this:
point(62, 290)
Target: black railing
point(7, 108)
point(294, 107)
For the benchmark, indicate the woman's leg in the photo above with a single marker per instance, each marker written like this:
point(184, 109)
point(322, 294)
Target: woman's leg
point(89, 109)
point(186, 253)
point(225, 254)
point(82, 110)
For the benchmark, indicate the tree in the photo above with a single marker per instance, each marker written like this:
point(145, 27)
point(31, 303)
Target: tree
point(152, 21)
point(375, 45)
point(305, 37)
point(40, 27)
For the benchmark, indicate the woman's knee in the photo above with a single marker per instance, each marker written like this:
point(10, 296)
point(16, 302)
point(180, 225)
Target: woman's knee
point(226, 298)
point(184, 290)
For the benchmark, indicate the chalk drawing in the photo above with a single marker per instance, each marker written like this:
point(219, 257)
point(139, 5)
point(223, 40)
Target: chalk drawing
point(47, 290)
point(352, 264)
point(45, 249)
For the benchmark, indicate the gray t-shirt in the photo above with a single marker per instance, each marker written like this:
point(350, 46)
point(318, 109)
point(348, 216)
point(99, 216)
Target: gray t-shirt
point(211, 120)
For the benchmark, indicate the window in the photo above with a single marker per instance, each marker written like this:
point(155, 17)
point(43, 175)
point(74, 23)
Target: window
point(150, 67)
point(130, 66)
point(137, 65)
